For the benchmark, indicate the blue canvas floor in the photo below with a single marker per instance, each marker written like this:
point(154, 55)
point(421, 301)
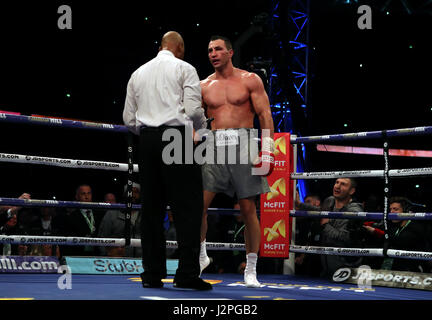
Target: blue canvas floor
point(225, 286)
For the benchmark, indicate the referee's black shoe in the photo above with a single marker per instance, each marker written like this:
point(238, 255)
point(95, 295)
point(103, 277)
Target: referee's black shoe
point(151, 283)
point(195, 284)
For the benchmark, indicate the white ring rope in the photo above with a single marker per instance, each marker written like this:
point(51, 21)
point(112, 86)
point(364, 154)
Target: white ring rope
point(120, 242)
point(115, 166)
point(362, 174)
point(337, 251)
point(102, 242)
point(66, 163)
point(362, 252)
point(409, 254)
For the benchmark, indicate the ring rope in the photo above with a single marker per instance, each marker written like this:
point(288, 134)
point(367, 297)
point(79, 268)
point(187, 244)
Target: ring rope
point(362, 174)
point(66, 163)
point(293, 213)
point(361, 215)
point(115, 166)
point(103, 242)
point(36, 203)
point(363, 252)
point(56, 122)
point(373, 252)
point(409, 254)
point(63, 204)
point(120, 242)
point(363, 135)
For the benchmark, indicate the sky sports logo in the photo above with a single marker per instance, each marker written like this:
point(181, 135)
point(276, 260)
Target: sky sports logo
point(8, 264)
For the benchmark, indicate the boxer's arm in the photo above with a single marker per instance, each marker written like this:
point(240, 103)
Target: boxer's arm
point(204, 105)
point(261, 106)
point(260, 103)
point(130, 109)
point(192, 99)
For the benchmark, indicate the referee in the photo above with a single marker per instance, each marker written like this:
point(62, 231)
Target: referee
point(165, 94)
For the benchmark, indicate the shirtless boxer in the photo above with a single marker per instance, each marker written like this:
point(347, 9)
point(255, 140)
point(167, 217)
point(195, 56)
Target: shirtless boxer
point(232, 97)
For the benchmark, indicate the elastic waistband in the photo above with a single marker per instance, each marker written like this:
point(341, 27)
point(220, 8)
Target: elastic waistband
point(236, 129)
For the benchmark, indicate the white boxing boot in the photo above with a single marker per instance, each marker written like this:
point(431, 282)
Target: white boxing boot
point(250, 271)
point(204, 260)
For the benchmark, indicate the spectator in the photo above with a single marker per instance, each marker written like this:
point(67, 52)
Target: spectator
point(9, 225)
point(313, 200)
point(373, 229)
point(338, 232)
point(113, 226)
point(303, 224)
point(7, 212)
point(410, 235)
point(81, 223)
point(45, 225)
point(9, 228)
point(110, 198)
point(308, 233)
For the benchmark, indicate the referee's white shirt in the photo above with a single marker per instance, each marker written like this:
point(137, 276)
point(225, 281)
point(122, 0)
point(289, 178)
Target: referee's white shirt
point(164, 91)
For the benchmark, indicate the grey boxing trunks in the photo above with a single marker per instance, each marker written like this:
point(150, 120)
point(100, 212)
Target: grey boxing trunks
point(229, 169)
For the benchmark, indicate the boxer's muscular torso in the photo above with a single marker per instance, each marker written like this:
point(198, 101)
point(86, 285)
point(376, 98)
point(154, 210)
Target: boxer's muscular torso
point(228, 100)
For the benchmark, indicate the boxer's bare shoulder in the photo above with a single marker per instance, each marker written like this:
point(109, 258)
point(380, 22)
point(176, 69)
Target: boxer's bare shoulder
point(251, 80)
point(208, 80)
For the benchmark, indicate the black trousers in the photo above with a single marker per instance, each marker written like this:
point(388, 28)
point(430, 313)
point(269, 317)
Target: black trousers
point(180, 187)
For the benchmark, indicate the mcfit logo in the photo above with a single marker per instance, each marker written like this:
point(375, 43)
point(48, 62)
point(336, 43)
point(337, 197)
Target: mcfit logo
point(274, 232)
point(280, 146)
point(279, 187)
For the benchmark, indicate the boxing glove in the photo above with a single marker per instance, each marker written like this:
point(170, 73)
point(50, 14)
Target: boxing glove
point(264, 163)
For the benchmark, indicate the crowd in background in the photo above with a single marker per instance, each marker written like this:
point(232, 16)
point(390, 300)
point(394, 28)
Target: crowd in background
point(410, 235)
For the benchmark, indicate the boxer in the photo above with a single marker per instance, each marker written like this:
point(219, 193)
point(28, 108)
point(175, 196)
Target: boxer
point(233, 97)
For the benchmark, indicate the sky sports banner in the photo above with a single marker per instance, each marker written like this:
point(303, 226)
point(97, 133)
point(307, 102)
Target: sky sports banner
point(106, 265)
point(28, 264)
point(276, 204)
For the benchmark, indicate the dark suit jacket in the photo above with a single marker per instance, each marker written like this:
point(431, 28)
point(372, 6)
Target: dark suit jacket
point(76, 226)
point(412, 238)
